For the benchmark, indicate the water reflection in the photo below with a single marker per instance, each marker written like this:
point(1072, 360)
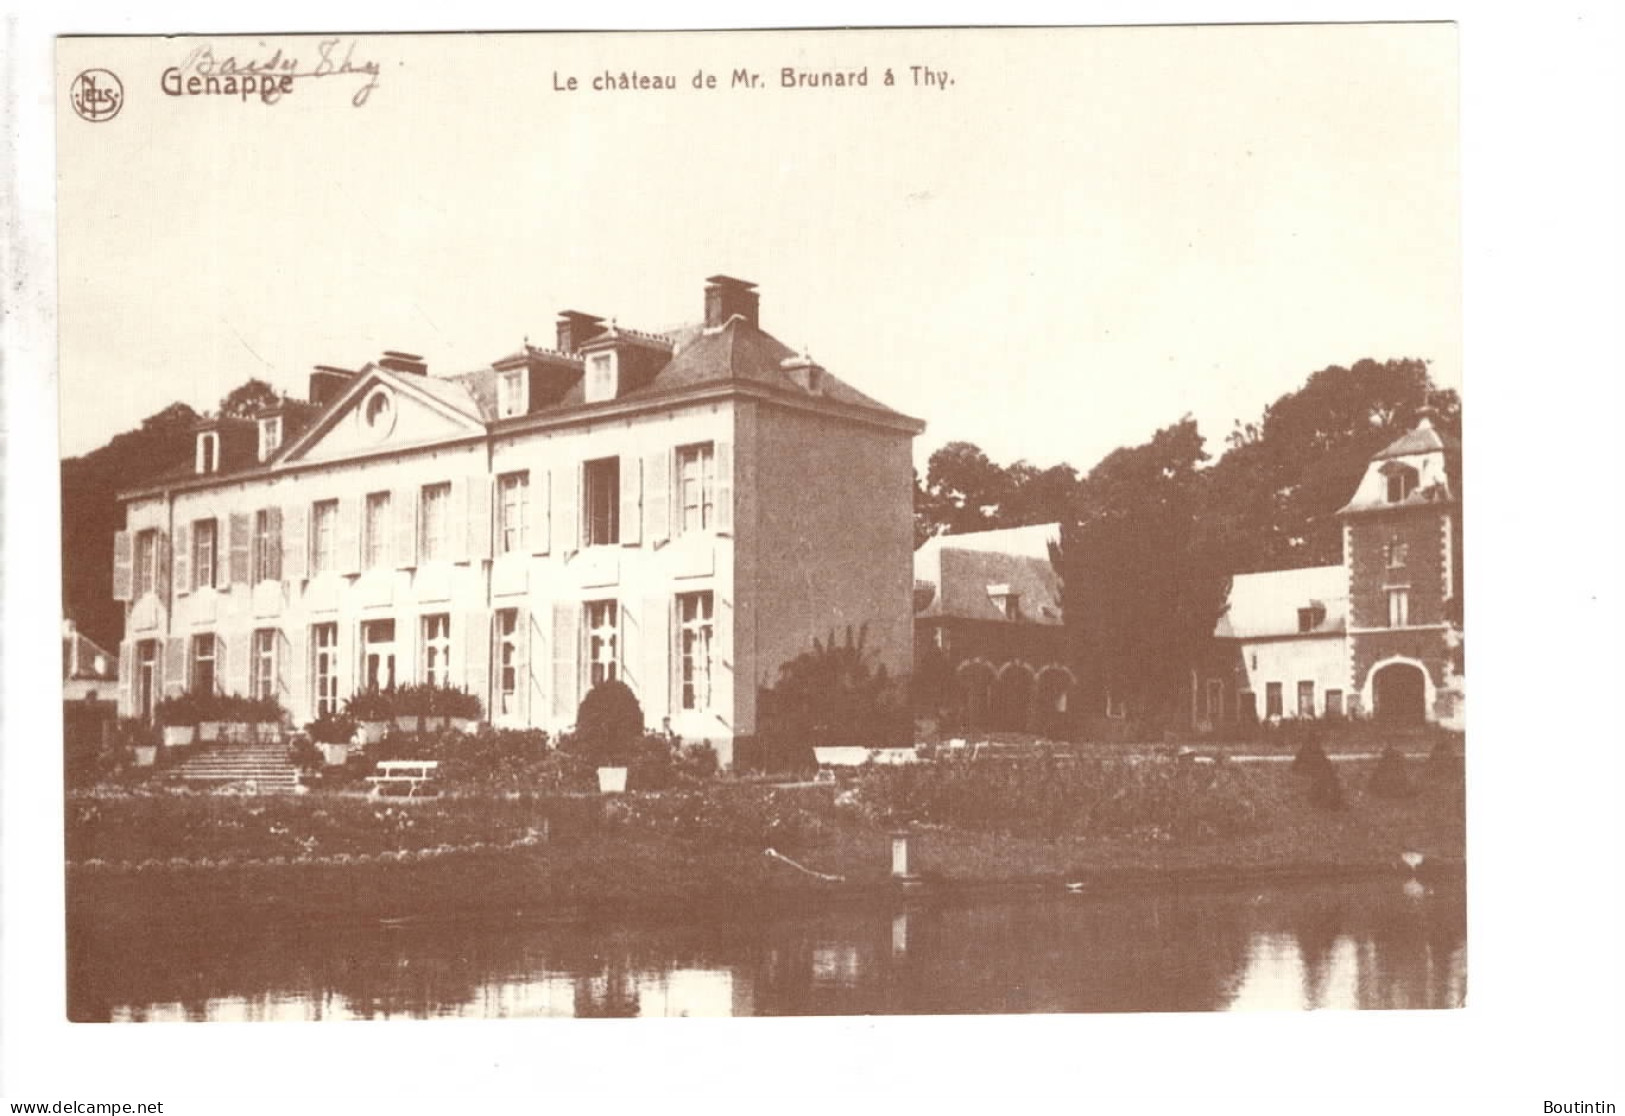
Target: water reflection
point(1370, 945)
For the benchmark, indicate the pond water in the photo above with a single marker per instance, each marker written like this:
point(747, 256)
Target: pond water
point(1390, 943)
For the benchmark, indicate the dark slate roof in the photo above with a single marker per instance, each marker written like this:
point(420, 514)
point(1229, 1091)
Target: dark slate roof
point(1423, 439)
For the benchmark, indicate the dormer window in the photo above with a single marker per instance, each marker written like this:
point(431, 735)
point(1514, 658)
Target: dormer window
point(1006, 600)
point(270, 436)
point(208, 452)
point(1311, 617)
point(1401, 481)
point(600, 377)
point(510, 393)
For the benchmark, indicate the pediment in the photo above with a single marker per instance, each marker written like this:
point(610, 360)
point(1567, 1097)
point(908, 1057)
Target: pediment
point(383, 410)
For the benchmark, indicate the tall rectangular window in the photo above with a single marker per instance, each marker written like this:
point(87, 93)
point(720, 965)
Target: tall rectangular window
point(696, 487)
point(377, 654)
point(1334, 703)
point(513, 497)
point(205, 553)
point(510, 394)
point(1396, 553)
point(324, 527)
point(267, 546)
point(146, 678)
point(324, 642)
point(432, 525)
point(695, 625)
point(146, 563)
point(1399, 608)
point(603, 641)
point(203, 663)
point(1215, 700)
point(263, 664)
point(603, 501)
point(376, 530)
point(1272, 700)
point(507, 661)
point(437, 649)
point(1306, 699)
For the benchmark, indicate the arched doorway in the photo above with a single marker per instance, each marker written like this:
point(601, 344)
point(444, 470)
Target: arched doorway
point(1399, 693)
point(1055, 686)
point(1012, 698)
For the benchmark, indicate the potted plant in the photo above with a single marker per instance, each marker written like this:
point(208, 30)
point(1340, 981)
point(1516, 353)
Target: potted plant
point(140, 738)
point(209, 716)
point(432, 706)
point(461, 709)
point(369, 710)
point(265, 714)
point(178, 718)
point(407, 706)
point(236, 713)
point(333, 735)
point(609, 724)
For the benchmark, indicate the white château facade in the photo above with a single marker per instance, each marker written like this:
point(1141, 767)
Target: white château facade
point(683, 511)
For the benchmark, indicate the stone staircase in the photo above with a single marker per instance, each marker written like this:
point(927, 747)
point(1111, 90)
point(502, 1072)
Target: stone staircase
point(263, 764)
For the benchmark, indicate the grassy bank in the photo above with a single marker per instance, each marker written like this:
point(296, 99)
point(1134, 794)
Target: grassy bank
point(146, 855)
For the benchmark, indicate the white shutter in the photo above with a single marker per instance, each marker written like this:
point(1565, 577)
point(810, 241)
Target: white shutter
point(657, 668)
point(474, 652)
point(631, 500)
point(238, 569)
point(725, 488)
point(347, 558)
point(527, 687)
point(541, 511)
point(629, 648)
point(566, 615)
point(657, 496)
point(181, 567)
point(174, 666)
point(273, 516)
point(455, 518)
point(124, 567)
point(126, 676)
point(160, 574)
point(479, 518)
point(296, 543)
point(406, 527)
point(566, 497)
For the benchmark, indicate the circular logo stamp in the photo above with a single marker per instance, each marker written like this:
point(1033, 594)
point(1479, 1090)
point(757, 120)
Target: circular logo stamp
point(97, 95)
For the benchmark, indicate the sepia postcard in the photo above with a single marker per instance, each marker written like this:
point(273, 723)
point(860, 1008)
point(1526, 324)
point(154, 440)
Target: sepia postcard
point(837, 524)
point(817, 523)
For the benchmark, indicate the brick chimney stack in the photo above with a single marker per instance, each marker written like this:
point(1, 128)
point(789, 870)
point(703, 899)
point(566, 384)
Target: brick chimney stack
point(726, 296)
point(575, 329)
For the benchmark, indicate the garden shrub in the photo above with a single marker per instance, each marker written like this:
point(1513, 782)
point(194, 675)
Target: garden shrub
point(1391, 778)
point(1311, 760)
point(833, 694)
point(609, 726)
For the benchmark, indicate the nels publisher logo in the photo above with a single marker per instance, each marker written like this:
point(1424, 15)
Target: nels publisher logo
point(97, 95)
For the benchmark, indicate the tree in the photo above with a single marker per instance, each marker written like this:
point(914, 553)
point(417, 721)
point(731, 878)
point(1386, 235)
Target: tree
point(1143, 583)
point(246, 398)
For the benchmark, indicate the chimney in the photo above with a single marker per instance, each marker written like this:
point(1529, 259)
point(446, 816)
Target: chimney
point(403, 362)
point(576, 329)
point(726, 296)
point(327, 383)
point(805, 372)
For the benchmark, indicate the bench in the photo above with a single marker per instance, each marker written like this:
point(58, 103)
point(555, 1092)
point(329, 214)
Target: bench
point(411, 774)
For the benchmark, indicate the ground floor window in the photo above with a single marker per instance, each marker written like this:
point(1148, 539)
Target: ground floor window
point(378, 654)
point(324, 641)
point(437, 649)
point(203, 663)
point(694, 616)
point(1334, 703)
point(603, 639)
point(263, 663)
point(508, 661)
point(1272, 699)
point(1215, 700)
point(1306, 699)
point(1247, 707)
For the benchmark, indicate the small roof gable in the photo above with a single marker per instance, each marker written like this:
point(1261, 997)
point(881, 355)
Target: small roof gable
point(971, 575)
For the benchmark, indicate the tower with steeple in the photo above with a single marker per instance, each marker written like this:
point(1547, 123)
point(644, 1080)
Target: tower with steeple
point(1402, 552)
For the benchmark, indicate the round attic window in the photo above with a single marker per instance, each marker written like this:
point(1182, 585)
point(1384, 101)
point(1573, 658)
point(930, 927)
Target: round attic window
point(378, 413)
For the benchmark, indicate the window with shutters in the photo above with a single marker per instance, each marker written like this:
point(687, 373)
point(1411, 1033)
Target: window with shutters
point(324, 642)
point(508, 661)
point(602, 501)
point(513, 499)
point(267, 552)
point(376, 531)
point(603, 641)
point(324, 529)
point(203, 663)
point(437, 649)
point(433, 529)
point(146, 562)
point(696, 488)
point(694, 619)
point(262, 664)
point(205, 553)
point(378, 654)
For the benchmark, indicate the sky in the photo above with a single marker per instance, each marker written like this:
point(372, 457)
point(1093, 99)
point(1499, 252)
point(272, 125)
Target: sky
point(1086, 235)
